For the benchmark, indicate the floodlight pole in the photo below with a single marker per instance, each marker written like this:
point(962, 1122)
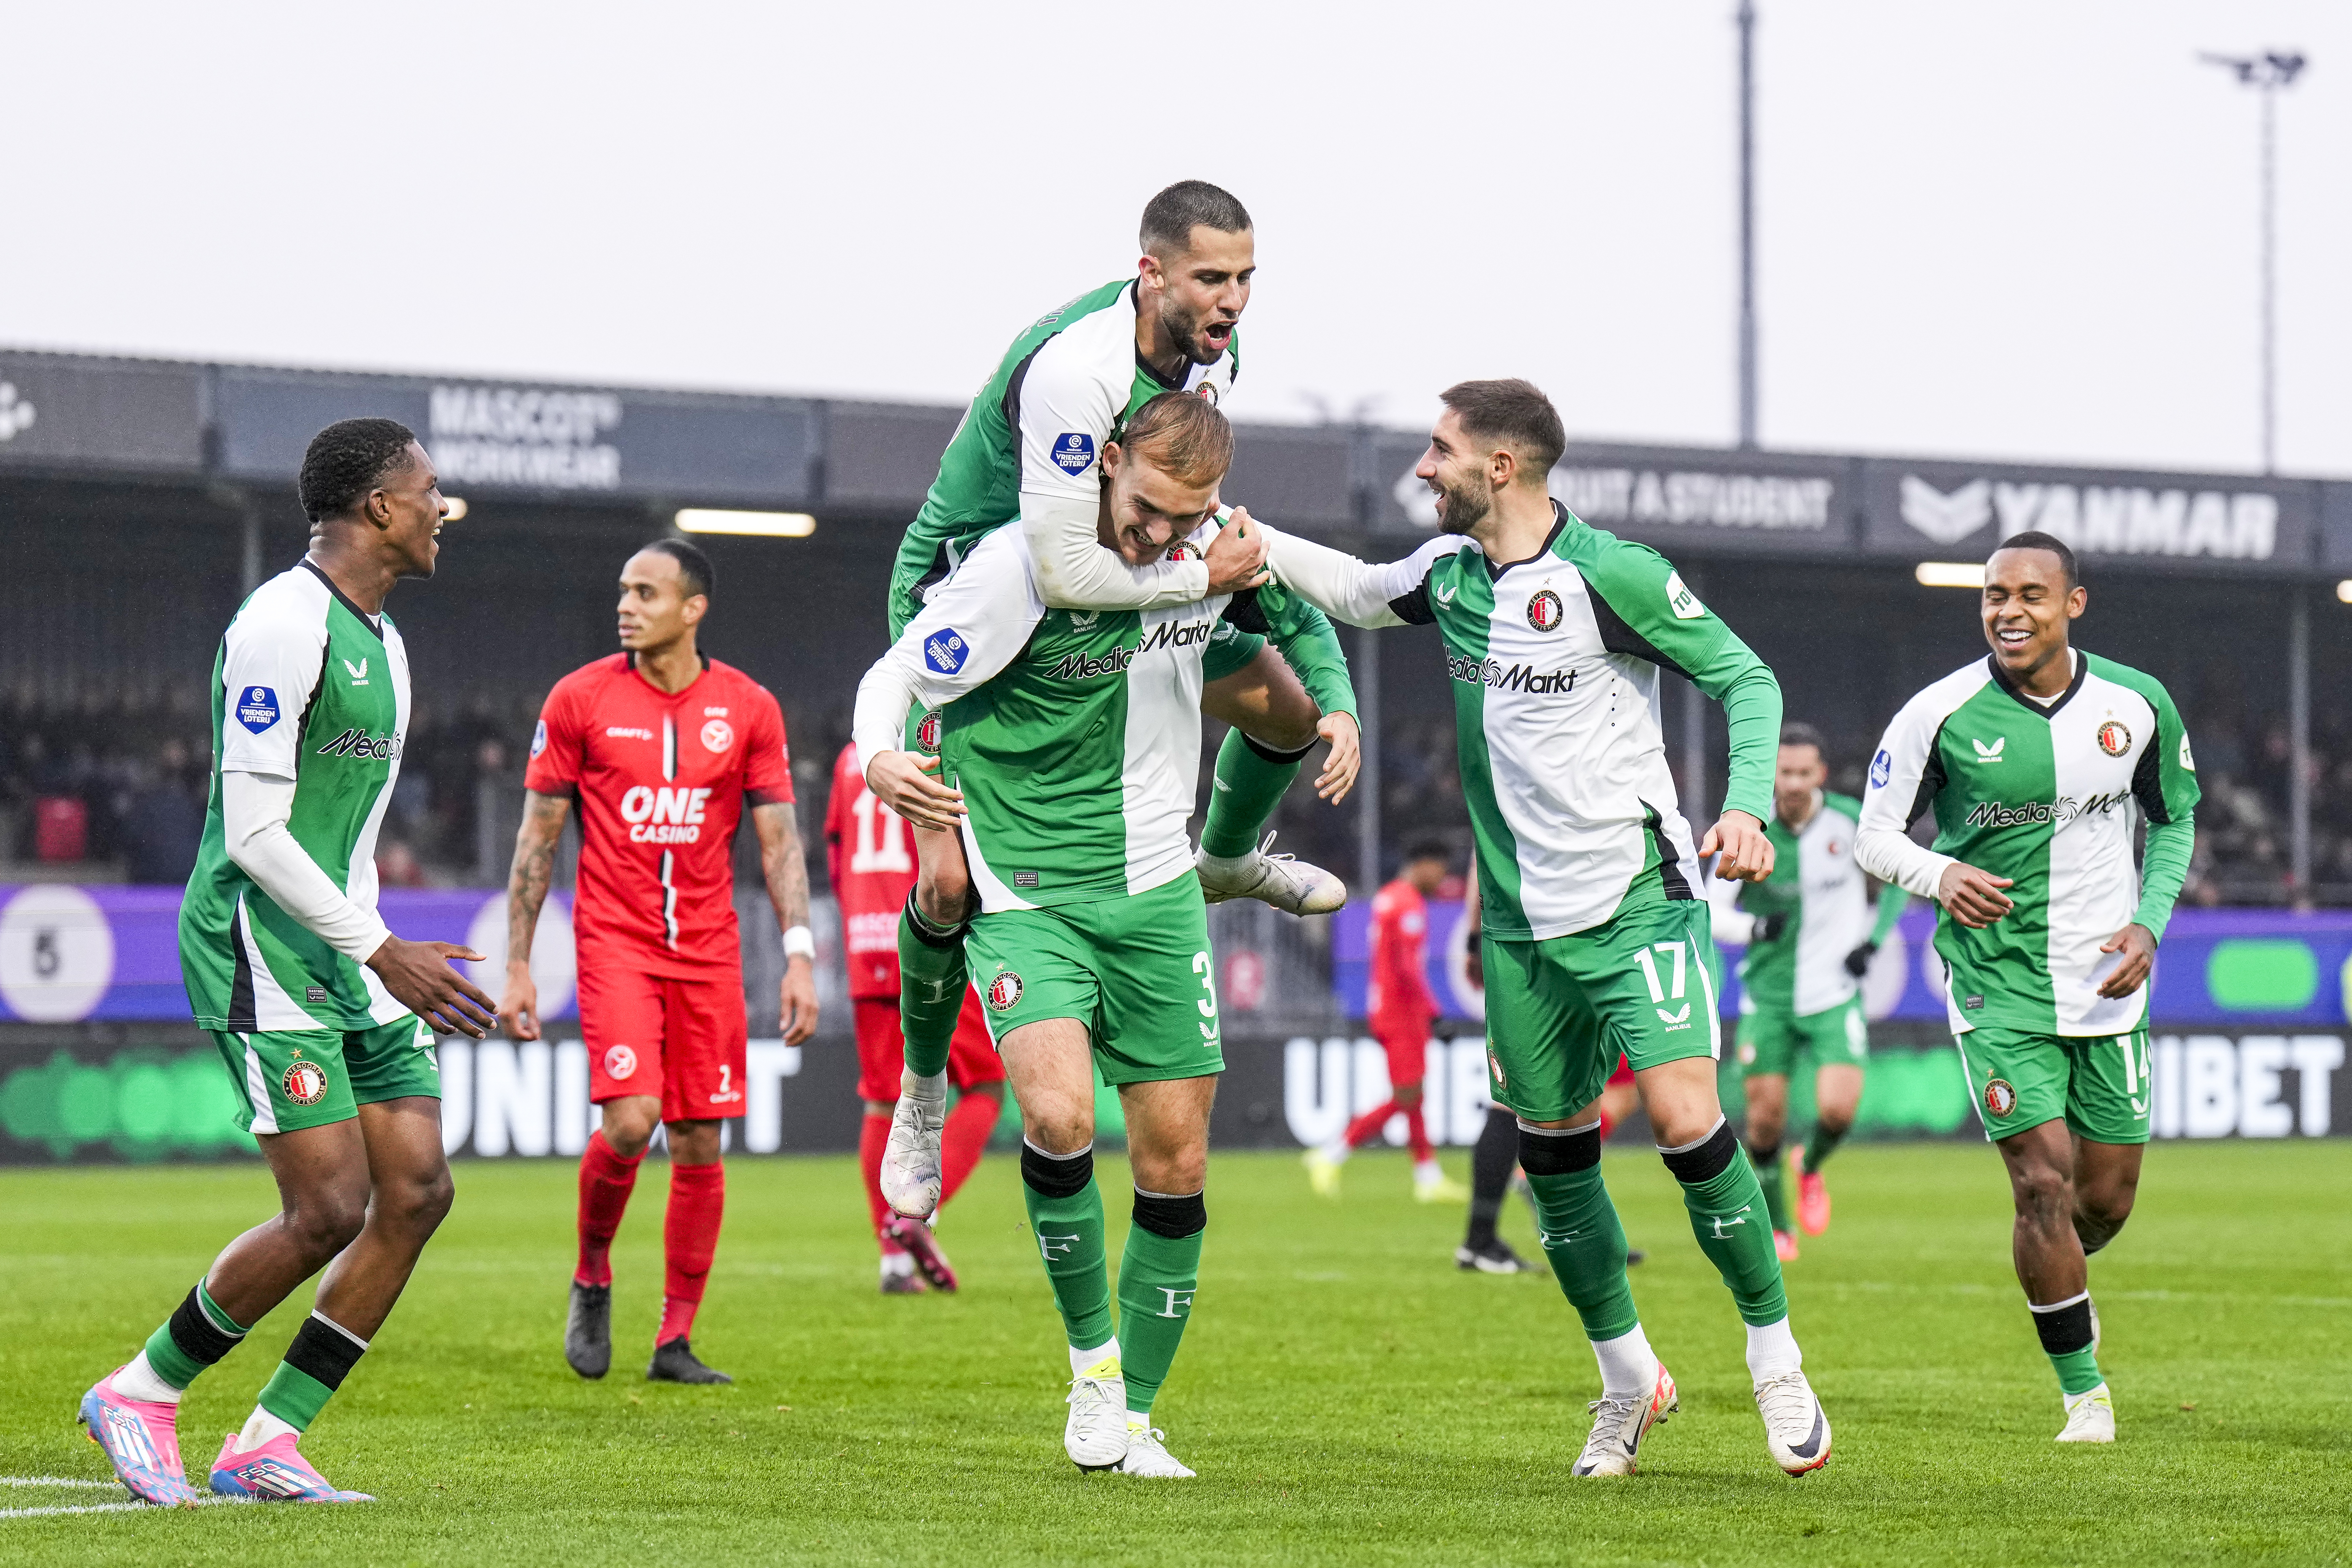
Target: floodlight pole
point(2267, 73)
point(1747, 225)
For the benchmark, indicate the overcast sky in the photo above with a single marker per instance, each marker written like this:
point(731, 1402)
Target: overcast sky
point(1993, 228)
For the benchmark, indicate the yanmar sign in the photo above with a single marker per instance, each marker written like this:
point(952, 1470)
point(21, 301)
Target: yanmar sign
point(1963, 510)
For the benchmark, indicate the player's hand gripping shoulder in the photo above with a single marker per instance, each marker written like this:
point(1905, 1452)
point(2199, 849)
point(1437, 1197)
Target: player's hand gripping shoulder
point(1237, 556)
point(1743, 852)
point(2137, 945)
point(419, 978)
point(902, 781)
point(1974, 898)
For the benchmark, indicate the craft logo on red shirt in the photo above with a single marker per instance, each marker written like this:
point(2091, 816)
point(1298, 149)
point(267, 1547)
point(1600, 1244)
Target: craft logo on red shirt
point(619, 1061)
point(717, 735)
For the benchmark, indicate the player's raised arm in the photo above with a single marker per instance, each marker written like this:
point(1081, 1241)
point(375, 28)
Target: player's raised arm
point(1065, 419)
point(1352, 590)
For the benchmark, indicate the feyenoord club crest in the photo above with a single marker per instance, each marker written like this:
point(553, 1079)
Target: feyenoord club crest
point(1999, 1098)
point(1207, 390)
point(927, 734)
point(619, 1061)
point(306, 1083)
point(1544, 611)
point(2113, 738)
point(1182, 551)
point(717, 735)
point(1004, 991)
point(1495, 1063)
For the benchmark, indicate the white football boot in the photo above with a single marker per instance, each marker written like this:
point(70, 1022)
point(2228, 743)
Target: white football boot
point(910, 1160)
point(1283, 880)
point(1148, 1455)
point(1619, 1425)
point(2090, 1417)
point(1796, 1430)
point(1097, 1433)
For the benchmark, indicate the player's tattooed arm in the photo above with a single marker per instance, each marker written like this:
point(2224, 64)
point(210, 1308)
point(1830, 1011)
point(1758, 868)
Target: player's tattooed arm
point(534, 864)
point(785, 864)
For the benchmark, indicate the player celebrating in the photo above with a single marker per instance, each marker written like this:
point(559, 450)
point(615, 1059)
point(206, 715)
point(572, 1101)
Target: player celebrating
point(1400, 1007)
point(1809, 934)
point(1072, 744)
point(872, 867)
point(2036, 760)
point(1028, 448)
point(662, 747)
point(324, 1019)
point(1555, 633)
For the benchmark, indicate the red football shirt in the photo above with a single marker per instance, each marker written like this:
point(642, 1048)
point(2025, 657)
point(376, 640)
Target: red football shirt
point(660, 781)
point(1399, 997)
point(870, 856)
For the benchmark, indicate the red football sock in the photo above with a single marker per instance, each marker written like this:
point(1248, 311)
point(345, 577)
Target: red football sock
point(606, 1182)
point(1416, 1132)
point(965, 1137)
point(873, 1135)
point(1367, 1127)
point(698, 1197)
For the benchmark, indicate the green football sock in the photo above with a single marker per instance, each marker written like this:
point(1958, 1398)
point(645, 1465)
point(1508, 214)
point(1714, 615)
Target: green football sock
point(316, 1364)
point(1249, 784)
point(1157, 1277)
point(2066, 1340)
point(193, 1338)
point(1065, 1216)
point(931, 981)
point(1823, 1145)
point(1586, 1245)
point(1773, 1180)
point(1733, 1226)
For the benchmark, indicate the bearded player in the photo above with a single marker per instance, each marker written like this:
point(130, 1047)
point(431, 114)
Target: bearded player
point(870, 854)
point(1030, 447)
point(2040, 762)
point(662, 748)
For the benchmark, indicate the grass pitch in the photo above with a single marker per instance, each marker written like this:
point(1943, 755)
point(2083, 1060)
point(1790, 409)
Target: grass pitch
point(1346, 1395)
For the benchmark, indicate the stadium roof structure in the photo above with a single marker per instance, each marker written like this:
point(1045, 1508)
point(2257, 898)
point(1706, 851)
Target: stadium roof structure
point(244, 426)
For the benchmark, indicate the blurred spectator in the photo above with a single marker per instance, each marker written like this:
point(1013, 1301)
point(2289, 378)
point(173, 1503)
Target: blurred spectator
point(397, 864)
point(164, 823)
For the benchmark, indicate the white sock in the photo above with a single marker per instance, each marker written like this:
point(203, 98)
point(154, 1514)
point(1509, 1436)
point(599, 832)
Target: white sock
point(1207, 861)
point(1138, 1420)
point(897, 1263)
point(1773, 1351)
point(1628, 1368)
point(141, 1382)
point(260, 1427)
point(1428, 1170)
point(1337, 1151)
point(1082, 1359)
point(933, 1089)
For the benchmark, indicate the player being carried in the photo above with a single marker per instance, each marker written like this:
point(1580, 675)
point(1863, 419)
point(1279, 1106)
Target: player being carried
point(1809, 934)
point(1069, 753)
point(324, 1018)
point(663, 747)
point(1028, 448)
point(2038, 762)
point(870, 854)
point(1594, 941)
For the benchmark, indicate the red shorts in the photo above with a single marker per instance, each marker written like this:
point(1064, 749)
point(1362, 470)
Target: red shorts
point(682, 1041)
point(1624, 1074)
point(882, 1049)
point(1408, 1052)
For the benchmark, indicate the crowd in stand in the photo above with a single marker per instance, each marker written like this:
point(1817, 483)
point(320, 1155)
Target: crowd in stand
point(117, 792)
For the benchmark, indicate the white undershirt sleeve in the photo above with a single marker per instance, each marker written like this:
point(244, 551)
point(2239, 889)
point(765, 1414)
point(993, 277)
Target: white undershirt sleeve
point(254, 811)
point(1076, 572)
point(973, 626)
point(1882, 841)
point(1346, 589)
point(1725, 920)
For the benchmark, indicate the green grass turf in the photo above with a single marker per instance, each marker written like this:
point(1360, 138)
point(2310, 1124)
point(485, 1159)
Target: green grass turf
point(1348, 1396)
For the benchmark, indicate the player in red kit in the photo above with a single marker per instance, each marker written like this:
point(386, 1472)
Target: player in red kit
point(662, 748)
point(1400, 1007)
point(871, 855)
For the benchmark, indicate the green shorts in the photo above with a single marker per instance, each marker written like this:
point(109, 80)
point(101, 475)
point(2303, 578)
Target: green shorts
point(290, 1078)
point(2100, 1083)
point(1560, 1011)
point(1136, 971)
point(1770, 1039)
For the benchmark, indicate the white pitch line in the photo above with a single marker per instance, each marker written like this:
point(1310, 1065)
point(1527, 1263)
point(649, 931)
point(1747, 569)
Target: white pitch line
point(85, 1508)
point(54, 1482)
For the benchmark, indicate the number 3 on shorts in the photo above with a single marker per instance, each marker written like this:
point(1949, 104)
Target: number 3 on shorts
point(1205, 967)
